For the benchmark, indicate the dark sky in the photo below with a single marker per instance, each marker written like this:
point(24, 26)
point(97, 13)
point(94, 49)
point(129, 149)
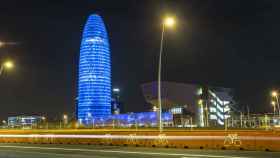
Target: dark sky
point(233, 43)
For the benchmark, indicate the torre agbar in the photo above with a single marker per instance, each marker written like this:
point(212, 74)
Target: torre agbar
point(94, 85)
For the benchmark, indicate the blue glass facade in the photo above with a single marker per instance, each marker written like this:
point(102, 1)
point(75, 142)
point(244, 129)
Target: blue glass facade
point(125, 120)
point(94, 85)
point(142, 118)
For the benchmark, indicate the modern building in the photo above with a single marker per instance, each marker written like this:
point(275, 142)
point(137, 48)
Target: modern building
point(190, 104)
point(24, 121)
point(140, 119)
point(117, 105)
point(94, 83)
point(215, 104)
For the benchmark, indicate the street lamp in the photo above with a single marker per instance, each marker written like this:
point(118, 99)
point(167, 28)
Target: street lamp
point(154, 109)
point(274, 107)
point(6, 65)
point(1, 44)
point(4, 122)
point(167, 22)
point(45, 123)
point(275, 94)
point(65, 119)
point(116, 90)
point(44, 118)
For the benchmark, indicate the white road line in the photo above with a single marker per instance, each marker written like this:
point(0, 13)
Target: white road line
point(56, 154)
point(122, 152)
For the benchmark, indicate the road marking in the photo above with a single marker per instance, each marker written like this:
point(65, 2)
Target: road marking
point(122, 152)
point(56, 154)
point(232, 140)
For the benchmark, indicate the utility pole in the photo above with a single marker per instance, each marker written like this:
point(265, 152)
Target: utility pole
point(248, 112)
point(248, 116)
point(191, 123)
point(265, 119)
point(206, 114)
point(226, 122)
point(241, 119)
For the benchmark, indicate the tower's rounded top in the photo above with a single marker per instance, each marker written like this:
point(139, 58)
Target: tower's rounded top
point(94, 16)
point(95, 27)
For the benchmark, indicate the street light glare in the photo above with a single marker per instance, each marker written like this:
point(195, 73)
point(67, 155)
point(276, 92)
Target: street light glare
point(116, 90)
point(273, 103)
point(274, 93)
point(1, 44)
point(65, 116)
point(8, 64)
point(169, 21)
point(200, 102)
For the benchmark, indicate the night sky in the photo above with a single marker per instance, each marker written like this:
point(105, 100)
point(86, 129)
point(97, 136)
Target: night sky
point(232, 43)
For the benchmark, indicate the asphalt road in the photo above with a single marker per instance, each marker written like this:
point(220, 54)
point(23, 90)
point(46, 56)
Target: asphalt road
point(91, 151)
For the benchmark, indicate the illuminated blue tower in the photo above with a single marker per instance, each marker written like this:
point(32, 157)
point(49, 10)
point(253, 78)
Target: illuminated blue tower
point(94, 87)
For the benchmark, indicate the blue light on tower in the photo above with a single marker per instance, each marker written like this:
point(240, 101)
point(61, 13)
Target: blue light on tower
point(94, 87)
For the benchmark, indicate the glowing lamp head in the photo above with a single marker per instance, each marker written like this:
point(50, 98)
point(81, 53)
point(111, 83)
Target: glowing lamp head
point(274, 94)
point(169, 22)
point(65, 117)
point(8, 64)
point(154, 108)
point(273, 103)
point(200, 101)
point(116, 90)
point(43, 118)
point(1, 44)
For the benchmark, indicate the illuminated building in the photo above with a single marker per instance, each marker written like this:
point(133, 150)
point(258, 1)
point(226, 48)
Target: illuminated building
point(24, 121)
point(140, 119)
point(219, 106)
point(117, 105)
point(177, 98)
point(94, 85)
point(191, 104)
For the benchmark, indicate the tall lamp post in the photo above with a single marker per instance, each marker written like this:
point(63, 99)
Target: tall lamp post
point(167, 22)
point(6, 65)
point(275, 94)
point(65, 120)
